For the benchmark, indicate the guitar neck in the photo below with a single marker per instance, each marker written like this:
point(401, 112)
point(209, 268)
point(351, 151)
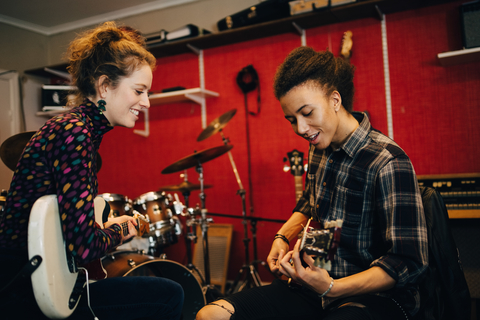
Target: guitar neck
point(125, 228)
point(142, 226)
point(298, 187)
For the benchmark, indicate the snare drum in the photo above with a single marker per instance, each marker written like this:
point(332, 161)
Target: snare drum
point(128, 263)
point(164, 225)
point(119, 205)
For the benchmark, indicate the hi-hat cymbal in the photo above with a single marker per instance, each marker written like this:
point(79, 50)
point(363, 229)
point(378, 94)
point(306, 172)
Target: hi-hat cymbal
point(216, 125)
point(11, 149)
point(197, 158)
point(185, 186)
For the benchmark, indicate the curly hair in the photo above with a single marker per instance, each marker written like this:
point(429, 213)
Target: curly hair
point(107, 50)
point(321, 68)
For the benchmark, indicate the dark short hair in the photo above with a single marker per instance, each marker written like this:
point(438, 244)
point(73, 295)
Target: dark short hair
point(321, 68)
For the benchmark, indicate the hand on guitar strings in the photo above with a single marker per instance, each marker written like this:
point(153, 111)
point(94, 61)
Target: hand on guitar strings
point(279, 247)
point(128, 225)
point(310, 276)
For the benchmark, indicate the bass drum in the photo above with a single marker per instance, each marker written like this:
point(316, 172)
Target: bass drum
point(132, 263)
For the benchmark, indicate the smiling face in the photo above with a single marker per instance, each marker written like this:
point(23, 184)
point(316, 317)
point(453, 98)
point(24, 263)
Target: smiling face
point(313, 115)
point(128, 98)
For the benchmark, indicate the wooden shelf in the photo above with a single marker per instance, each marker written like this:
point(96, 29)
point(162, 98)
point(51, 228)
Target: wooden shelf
point(324, 16)
point(458, 57)
point(464, 214)
point(50, 113)
point(195, 95)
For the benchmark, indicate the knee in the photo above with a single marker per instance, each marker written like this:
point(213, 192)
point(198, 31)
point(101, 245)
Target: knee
point(221, 310)
point(205, 314)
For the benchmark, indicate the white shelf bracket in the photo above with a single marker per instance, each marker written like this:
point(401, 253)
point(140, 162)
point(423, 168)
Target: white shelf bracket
point(301, 32)
point(146, 131)
point(379, 12)
point(194, 49)
point(200, 100)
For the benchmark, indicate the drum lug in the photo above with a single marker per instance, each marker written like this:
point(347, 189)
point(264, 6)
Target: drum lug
point(131, 263)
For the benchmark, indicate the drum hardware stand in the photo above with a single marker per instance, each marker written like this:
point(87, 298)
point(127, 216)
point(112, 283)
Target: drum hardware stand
point(210, 292)
point(248, 270)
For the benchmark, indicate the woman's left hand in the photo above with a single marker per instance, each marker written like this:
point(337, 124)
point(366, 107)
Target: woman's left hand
point(131, 223)
point(315, 278)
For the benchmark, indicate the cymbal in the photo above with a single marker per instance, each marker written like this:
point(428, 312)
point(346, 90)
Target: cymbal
point(185, 186)
point(197, 158)
point(216, 125)
point(11, 149)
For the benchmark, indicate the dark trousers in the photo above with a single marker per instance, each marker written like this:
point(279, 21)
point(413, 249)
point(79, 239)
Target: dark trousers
point(279, 301)
point(112, 298)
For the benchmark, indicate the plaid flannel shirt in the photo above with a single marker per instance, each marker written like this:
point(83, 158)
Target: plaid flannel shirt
point(371, 185)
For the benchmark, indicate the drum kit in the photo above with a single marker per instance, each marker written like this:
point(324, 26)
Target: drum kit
point(162, 211)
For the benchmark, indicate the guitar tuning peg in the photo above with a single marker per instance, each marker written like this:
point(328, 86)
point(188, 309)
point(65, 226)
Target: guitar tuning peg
point(286, 168)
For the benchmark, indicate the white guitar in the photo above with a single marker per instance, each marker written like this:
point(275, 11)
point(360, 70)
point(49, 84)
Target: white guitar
point(57, 283)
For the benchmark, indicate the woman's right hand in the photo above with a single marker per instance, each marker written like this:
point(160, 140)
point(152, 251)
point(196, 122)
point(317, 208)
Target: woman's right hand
point(278, 250)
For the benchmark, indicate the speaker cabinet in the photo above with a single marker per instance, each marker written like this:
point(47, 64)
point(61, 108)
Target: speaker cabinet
point(219, 243)
point(470, 19)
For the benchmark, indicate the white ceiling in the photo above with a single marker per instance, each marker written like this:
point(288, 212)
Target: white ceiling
point(54, 16)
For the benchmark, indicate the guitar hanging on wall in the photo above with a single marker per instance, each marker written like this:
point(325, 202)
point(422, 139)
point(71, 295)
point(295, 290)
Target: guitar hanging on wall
point(347, 44)
point(295, 159)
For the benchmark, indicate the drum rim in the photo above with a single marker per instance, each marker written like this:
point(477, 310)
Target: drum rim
point(157, 196)
point(116, 197)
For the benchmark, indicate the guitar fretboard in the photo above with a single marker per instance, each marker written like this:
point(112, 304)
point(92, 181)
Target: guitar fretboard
point(298, 187)
point(125, 228)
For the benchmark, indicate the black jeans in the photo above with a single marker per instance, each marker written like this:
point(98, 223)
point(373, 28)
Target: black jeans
point(113, 298)
point(279, 301)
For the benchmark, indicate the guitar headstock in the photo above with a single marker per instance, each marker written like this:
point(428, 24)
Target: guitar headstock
point(295, 159)
point(322, 243)
point(143, 223)
point(347, 44)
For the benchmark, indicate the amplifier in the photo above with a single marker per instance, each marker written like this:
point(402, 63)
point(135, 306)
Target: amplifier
point(470, 19)
point(460, 192)
point(56, 97)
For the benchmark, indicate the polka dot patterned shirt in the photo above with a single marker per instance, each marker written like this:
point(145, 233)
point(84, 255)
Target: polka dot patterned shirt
point(61, 159)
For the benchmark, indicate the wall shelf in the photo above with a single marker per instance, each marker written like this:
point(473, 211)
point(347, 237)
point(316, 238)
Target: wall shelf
point(195, 95)
point(458, 57)
point(324, 16)
point(49, 113)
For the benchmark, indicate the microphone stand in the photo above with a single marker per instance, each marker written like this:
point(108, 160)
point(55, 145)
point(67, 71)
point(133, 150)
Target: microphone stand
point(247, 272)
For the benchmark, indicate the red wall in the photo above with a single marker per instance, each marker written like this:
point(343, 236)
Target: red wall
point(434, 109)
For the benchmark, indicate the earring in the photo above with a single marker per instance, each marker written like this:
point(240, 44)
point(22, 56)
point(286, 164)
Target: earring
point(101, 105)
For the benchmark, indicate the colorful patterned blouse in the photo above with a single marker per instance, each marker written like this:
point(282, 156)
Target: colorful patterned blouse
point(61, 159)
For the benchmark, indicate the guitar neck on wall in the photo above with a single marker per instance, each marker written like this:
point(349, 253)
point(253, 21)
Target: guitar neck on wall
point(295, 159)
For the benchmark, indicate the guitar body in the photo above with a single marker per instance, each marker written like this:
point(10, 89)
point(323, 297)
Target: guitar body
point(57, 290)
point(57, 284)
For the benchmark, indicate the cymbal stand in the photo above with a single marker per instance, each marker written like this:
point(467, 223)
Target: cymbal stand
point(247, 271)
point(204, 225)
